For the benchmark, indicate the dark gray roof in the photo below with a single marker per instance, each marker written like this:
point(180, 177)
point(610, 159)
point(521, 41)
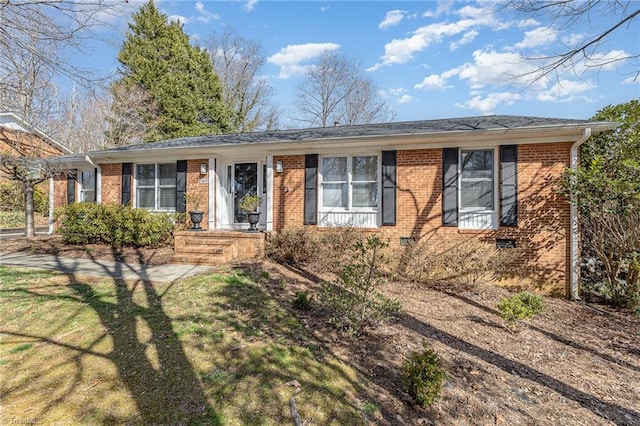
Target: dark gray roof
point(493, 122)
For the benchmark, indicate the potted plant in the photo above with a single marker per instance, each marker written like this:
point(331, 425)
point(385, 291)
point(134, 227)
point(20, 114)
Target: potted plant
point(195, 214)
point(250, 203)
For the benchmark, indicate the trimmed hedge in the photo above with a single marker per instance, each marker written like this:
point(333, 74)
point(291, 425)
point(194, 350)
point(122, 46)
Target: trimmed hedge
point(118, 226)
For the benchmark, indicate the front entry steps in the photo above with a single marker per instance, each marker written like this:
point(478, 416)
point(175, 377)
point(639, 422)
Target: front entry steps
point(212, 248)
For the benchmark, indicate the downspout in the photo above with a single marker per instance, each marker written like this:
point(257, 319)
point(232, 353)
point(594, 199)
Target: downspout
point(98, 179)
point(51, 197)
point(575, 234)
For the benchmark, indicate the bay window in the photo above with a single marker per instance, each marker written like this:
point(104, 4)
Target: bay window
point(156, 186)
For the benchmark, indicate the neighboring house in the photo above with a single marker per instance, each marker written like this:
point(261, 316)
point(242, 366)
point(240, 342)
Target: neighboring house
point(20, 139)
point(492, 177)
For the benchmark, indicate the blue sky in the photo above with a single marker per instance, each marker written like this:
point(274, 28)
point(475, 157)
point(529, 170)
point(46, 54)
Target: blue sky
point(429, 59)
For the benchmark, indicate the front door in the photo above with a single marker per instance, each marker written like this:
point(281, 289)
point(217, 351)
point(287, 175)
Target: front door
point(245, 181)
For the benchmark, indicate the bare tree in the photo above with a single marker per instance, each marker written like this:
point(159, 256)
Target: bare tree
point(33, 35)
point(133, 115)
point(237, 61)
point(591, 50)
point(23, 160)
point(335, 92)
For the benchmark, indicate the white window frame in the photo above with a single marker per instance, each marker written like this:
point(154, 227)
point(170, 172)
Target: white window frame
point(478, 217)
point(82, 190)
point(350, 209)
point(156, 186)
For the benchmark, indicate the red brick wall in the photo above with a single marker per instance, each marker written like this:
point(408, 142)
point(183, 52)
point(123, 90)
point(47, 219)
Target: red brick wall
point(111, 183)
point(288, 192)
point(195, 187)
point(543, 215)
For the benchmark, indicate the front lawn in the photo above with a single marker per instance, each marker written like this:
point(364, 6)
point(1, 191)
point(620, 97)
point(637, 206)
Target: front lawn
point(206, 350)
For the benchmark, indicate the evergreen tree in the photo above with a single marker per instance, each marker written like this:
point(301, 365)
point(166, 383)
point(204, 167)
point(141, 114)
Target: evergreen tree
point(157, 58)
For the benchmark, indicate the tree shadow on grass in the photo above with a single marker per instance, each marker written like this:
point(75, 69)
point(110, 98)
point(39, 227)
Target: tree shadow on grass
point(145, 350)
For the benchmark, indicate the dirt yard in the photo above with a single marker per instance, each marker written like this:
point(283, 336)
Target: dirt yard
point(575, 364)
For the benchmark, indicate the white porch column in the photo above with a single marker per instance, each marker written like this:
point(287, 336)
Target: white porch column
point(213, 202)
point(269, 206)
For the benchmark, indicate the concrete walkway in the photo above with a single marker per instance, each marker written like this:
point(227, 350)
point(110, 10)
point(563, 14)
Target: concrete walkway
point(101, 268)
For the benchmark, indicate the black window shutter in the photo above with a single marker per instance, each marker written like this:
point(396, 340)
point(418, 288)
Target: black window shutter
point(389, 159)
point(71, 187)
point(311, 189)
point(509, 185)
point(450, 186)
point(181, 186)
point(126, 183)
point(95, 185)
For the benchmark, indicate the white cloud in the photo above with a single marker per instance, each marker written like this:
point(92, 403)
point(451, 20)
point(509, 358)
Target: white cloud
point(606, 61)
point(488, 104)
point(204, 15)
point(405, 99)
point(527, 23)
point(177, 18)
point(290, 58)
point(400, 51)
point(573, 39)
point(398, 91)
point(393, 17)
point(432, 82)
point(429, 14)
point(538, 37)
point(632, 80)
point(494, 68)
point(250, 5)
point(467, 38)
point(565, 91)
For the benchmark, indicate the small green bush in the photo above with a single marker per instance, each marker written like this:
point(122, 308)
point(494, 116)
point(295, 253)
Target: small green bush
point(118, 226)
point(523, 305)
point(302, 300)
point(423, 376)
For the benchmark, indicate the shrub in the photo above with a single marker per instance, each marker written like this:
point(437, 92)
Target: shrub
point(423, 376)
point(523, 305)
point(12, 198)
point(352, 298)
point(292, 246)
point(336, 245)
point(302, 301)
point(469, 262)
point(9, 219)
point(118, 226)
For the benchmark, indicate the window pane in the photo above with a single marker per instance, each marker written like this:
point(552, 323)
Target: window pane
point(146, 198)
point(477, 164)
point(87, 180)
point(167, 174)
point(364, 168)
point(334, 195)
point(146, 174)
point(89, 196)
point(334, 168)
point(365, 195)
point(477, 194)
point(167, 199)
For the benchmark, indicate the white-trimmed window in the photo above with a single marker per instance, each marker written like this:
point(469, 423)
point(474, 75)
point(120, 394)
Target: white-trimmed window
point(477, 188)
point(349, 186)
point(156, 186)
point(87, 183)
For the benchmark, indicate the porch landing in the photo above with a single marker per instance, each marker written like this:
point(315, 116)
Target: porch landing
point(215, 247)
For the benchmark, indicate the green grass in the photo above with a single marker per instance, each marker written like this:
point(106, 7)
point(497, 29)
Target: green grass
point(213, 349)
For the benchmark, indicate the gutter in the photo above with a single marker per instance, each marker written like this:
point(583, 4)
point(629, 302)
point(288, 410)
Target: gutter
point(575, 234)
